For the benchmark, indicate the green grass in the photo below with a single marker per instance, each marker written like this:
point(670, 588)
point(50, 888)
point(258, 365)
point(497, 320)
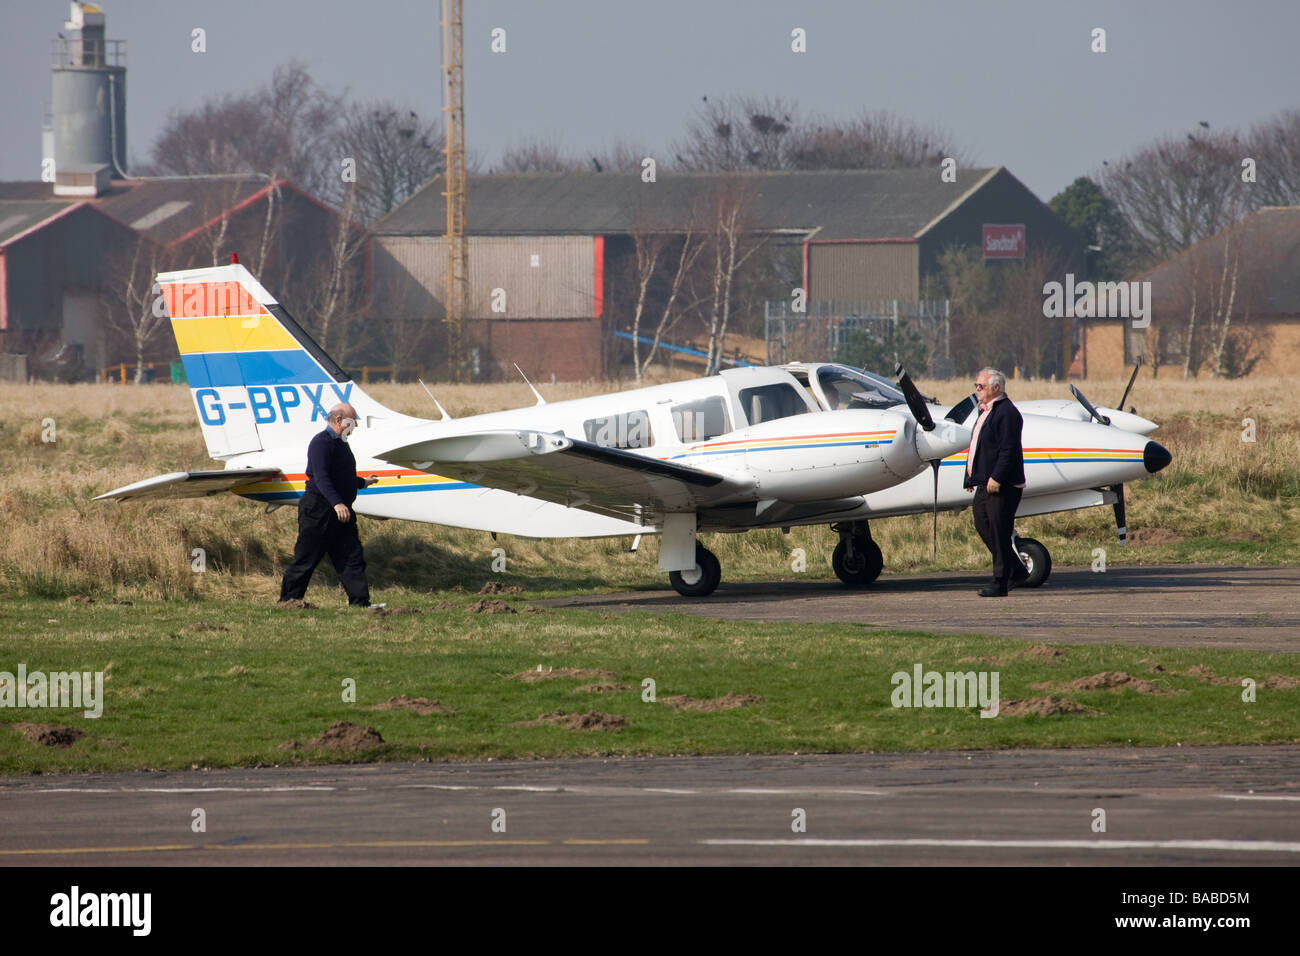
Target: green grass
point(179, 695)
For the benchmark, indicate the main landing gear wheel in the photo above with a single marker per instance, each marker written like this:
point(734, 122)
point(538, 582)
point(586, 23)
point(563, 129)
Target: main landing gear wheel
point(857, 561)
point(701, 580)
point(1036, 559)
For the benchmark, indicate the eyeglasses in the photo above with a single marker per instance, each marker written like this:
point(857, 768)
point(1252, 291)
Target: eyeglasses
point(978, 385)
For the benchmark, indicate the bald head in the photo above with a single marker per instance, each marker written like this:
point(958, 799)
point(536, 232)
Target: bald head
point(338, 414)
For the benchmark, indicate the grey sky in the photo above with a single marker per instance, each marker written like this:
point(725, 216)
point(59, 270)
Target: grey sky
point(1014, 81)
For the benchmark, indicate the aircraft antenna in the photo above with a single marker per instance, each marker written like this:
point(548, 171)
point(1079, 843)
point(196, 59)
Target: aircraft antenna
point(540, 400)
point(445, 416)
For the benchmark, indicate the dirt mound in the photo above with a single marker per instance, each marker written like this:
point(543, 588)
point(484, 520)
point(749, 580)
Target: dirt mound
point(81, 599)
point(534, 609)
point(48, 735)
point(385, 611)
point(421, 705)
point(1107, 680)
point(295, 602)
point(592, 720)
point(491, 607)
point(496, 587)
point(725, 702)
point(1155, 667)
point(1051, 706)
point(1244, 536)
point(344, 735)
point(605, 688)
point(199, 626)
point(1042, 650)
point(1149, 537)
point(1207, 675)
point(1281, 682)
point(583, 673)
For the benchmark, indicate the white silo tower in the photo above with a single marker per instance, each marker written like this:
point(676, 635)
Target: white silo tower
point(88, 122)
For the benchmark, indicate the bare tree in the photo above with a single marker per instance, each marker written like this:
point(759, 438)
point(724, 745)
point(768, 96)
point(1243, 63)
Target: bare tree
point(871, 140)
point(726, 213)
point(283, 130)
point(131, 306)
point(1176, 192)
point(539, 154)
point(394, 152)
point(663, 262)
point(737, 133)
point(1275, 147)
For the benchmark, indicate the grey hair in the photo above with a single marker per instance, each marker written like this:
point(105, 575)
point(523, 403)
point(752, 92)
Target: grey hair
point(995, 378)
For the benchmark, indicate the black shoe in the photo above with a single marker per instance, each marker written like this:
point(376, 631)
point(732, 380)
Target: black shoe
point(992, 591)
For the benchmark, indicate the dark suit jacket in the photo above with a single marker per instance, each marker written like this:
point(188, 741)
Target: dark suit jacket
point(998, 453)
point(332, 469)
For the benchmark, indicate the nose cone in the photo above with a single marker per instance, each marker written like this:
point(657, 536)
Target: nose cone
point(1155, 456)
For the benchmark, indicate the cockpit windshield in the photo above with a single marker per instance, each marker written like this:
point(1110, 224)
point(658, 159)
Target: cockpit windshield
point(846, 387)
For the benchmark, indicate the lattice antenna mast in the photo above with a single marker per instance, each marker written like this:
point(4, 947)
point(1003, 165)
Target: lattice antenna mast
point(453, 108)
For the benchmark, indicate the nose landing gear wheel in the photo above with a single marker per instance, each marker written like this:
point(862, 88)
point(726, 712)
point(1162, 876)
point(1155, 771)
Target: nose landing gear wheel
point(857, 561)
point(1037, 561)
point(701, 580)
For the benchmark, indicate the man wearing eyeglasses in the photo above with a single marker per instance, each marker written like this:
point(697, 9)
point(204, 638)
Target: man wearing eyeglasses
point(995, 470)
point(326, 523)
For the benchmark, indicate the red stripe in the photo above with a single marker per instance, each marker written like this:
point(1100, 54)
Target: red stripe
point(598, 278)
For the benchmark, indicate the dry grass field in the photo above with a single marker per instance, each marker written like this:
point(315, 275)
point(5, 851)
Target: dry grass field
point(1223, 500)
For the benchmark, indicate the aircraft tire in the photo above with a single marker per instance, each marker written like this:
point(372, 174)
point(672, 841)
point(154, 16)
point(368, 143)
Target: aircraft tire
point(863, 568)
point(700, 581)
point(1037, 559)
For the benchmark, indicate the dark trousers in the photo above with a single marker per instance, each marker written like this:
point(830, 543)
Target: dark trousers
point(995, 517)
point(320, 532)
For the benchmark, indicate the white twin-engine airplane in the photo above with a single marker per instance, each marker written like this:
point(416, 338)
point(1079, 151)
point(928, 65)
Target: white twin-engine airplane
point(749, 448)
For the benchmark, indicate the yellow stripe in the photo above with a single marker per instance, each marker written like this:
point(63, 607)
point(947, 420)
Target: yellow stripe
point(234, 333)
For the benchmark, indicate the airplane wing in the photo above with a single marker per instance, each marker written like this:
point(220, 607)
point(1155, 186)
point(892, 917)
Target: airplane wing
point(567, 471)
point(190, 484)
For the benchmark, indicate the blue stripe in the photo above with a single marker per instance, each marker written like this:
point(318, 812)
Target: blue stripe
point(830, 444)
point(289, 495)
point(1057, 461)
point(278, 367)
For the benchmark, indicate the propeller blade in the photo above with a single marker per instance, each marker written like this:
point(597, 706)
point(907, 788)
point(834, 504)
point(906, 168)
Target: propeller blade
point(1119, 515)
point(1136, 365)
point(920, 411)
point(1091, 409)
point(934, 466)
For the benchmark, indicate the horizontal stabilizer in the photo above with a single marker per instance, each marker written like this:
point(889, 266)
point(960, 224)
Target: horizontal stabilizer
point(190, 484)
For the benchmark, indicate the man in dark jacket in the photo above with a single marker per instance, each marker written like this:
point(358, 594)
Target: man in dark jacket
point(995, 469)
point(326, 524)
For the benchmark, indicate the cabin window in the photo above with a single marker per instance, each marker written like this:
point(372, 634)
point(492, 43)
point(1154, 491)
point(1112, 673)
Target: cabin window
point(702, 420)
point(626, 430)
point(767, 403)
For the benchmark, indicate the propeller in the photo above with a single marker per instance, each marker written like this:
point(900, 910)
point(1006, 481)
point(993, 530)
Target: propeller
point(921, 412)
point(915, 402)
point(1119, 515)
point(1091, 409)
point(1131, 379)
point(934, 466)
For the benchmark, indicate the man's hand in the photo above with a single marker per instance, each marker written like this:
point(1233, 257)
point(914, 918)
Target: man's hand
point(368, 481)
point(993, 486)
point(342, 511)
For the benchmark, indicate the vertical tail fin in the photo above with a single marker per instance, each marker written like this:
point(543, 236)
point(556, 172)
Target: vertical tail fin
point(258, 380)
